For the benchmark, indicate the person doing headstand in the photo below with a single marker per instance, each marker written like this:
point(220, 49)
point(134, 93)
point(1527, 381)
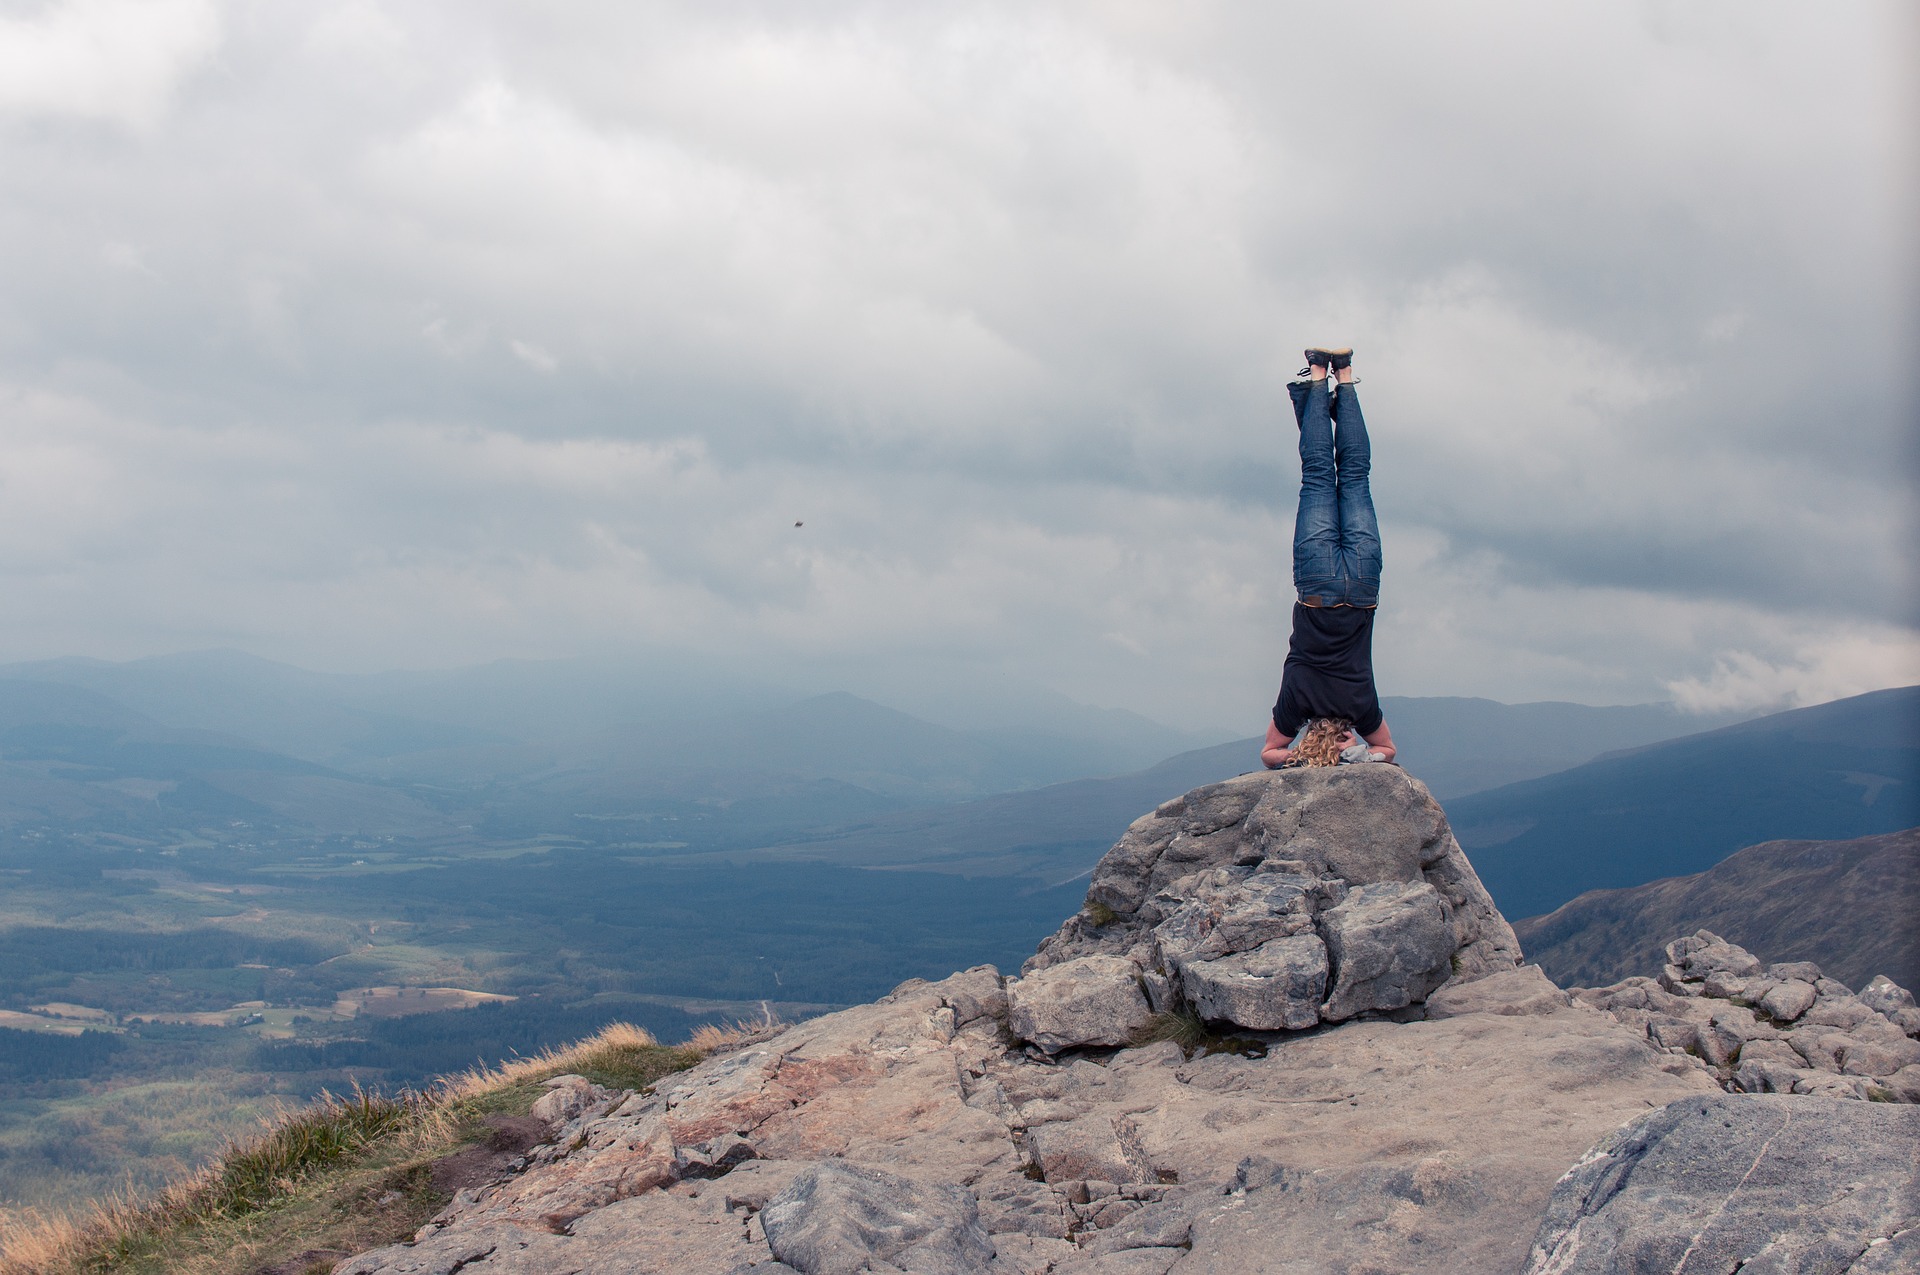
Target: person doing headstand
point(1327, 685)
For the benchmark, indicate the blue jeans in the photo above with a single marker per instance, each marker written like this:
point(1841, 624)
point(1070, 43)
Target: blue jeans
point(1336, 537)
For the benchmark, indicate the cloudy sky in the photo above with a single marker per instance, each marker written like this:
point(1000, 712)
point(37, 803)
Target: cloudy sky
point(369, 335)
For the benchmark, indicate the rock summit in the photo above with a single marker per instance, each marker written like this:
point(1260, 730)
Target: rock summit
point(1267, 903)
point(1288, 1034)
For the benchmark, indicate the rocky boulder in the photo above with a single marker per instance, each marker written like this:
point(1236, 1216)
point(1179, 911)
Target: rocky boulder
point(1275, 901)
point(1781, 1028)
point(1095, 1000)
point(1742, 1183)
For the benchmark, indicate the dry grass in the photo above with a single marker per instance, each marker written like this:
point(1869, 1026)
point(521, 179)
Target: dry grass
point(1181, 1026)
point(716, 1038)
point(314, 1170)
point(1189, 1031)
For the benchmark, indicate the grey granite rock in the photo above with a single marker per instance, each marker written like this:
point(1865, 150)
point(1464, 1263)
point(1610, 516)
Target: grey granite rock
point(1241, 946)
point(838, 1219)
point(1166, 1224)
point(1521, 991)
point(1276, 986)
point(1804, 1034)
point(1707, 953)
point(1889, 1255)
point(1082, 1150)
point(1904, 1084)
point(1132, 1261)
point(1768, 1066)
point(1281, 900)
point(975, 994)
point(1884, 996)
point(1389, 944)
point(1096, 1000)
point(442, 1256)
point(1787, 1001)
point(1228, 910)
point(1354, 824)
point(1754, 1183)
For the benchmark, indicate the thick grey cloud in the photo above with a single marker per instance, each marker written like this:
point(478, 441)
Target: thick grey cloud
point(362, 334)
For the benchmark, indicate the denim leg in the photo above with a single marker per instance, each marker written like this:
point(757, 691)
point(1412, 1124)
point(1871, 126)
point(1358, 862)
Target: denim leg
point(1297, 391)
point(1316, 527)
point(1360, 556)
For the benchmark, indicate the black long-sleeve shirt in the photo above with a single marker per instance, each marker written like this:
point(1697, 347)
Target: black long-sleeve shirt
point(1329, 670)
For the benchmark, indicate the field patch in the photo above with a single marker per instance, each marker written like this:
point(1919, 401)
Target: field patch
point(24, 1022)
point(396, 1002)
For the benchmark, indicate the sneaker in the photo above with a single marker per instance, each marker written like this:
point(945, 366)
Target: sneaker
point(1335, 359)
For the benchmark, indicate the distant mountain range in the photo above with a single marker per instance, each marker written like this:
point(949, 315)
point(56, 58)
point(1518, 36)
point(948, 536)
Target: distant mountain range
point(1054, 833)
point(1853, 907)
point(236, 750)
point(1835, 771)
point(73, 759)
point(581, 726)
point(1459, 746)
point(672, 759)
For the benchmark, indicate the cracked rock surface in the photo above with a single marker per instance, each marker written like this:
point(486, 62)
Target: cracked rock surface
point(1416, 1146)
point(1739, 1183)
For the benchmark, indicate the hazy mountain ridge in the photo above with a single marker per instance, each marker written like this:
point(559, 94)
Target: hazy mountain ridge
point(1849, 906)
point(1465, 745)
point(353, 720)
point(1846, 769)
point(1056, 832)
point(513, 751)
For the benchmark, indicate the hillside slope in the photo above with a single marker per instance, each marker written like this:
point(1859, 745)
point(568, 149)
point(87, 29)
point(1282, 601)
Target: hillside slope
point(1849, 906)
point(1459, 745)
point(71, 759)
point(1846, 769)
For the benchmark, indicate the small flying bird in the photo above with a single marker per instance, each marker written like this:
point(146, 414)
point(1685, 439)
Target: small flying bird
point(799, 524)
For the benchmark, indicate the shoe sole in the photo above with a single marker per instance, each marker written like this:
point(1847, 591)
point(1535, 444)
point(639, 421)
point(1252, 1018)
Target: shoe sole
point(1331, 357)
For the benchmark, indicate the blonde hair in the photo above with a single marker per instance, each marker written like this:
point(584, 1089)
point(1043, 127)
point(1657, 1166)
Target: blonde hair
point(1319, 744)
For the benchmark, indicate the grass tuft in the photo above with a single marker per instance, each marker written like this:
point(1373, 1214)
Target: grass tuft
point(1189, 1031)
point(1181, 1026)
point(306, 1180)
point(254, 1173)
point(716, 1038)
point(1099, 915)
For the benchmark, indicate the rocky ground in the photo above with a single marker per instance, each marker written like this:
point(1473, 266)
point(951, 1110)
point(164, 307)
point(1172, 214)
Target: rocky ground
point(1364, 1080)
point(1781, 1028)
